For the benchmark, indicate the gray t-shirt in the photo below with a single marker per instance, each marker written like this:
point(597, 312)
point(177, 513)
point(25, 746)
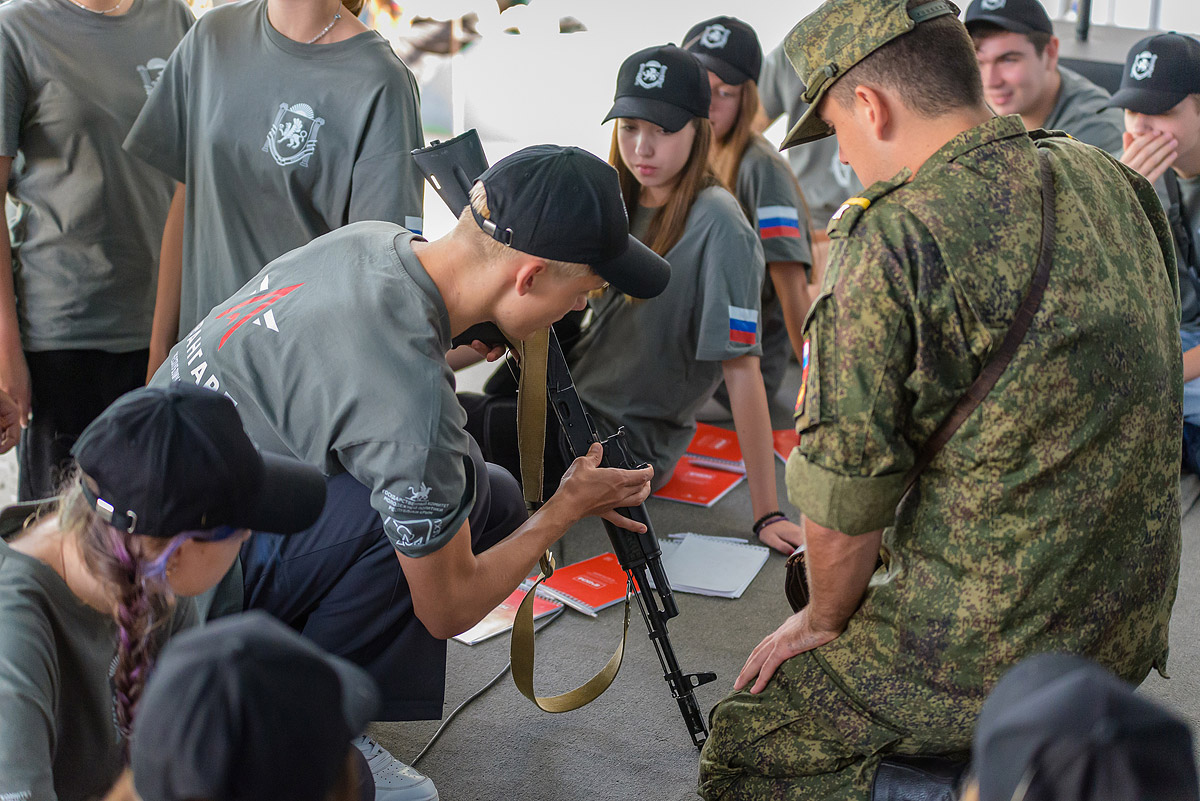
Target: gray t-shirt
point(1188, 212)
point(336, 354)
point(650, 365)
point(278, 143)
point(1079, 110)
point(768, 193)
point(825, 180)
point(87, 218)
point(58, 735)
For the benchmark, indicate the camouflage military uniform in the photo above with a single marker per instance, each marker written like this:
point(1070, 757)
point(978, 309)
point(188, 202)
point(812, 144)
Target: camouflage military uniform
point(1051, 519)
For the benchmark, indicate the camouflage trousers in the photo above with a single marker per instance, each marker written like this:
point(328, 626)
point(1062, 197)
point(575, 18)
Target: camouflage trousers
point(807, 737)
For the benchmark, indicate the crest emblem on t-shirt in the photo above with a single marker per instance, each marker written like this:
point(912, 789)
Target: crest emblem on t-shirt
point(651, 74)
point(992, 5)
point(715, 36)
point(151, 72)
point(293, 135)
point(1143, 65)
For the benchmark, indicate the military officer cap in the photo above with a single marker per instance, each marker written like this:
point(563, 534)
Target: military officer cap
point(838, 35)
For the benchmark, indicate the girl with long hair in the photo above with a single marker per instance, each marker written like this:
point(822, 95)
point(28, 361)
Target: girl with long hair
point(749, 167)
point(649, 365)
point(165, 488)
point(282, 120)
point(85, 219)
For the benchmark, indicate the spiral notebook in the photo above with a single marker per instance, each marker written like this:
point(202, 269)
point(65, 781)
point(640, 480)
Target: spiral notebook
point(500, 619)
point(717, 566)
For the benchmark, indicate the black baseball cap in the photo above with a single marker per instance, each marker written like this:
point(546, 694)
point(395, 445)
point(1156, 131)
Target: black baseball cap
point(1160, 71)
point(664, 85)
point(728, 47)
point(1072, 731)
point(1016, 16)
point(160, 461)
point(245, 709)
point(563, 203)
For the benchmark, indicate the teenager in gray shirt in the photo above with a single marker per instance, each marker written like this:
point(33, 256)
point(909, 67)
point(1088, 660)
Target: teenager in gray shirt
point(649, 366)
point(1160, 96)
point(78, 264)
point(282, 122)
point(336, 353)
point(767, 191)
point(1018, 57)
point(166, 488)
point(826, 181)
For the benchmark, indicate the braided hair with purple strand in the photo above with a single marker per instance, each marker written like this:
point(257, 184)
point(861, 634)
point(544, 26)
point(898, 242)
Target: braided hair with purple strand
point(134, 568)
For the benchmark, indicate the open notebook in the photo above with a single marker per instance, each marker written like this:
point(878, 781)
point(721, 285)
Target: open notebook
point(717, 566)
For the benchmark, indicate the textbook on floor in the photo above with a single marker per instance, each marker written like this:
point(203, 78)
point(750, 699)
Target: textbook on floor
point(588, 586)
point(699, 486)
point(716, 449)
point(500, 619)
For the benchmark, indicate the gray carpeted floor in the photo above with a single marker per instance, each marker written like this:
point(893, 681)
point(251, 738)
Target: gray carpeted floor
point(631, 742)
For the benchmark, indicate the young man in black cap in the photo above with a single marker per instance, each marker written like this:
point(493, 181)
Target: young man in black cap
point(1160, 93)
point(1018, 56)
point(335, 352)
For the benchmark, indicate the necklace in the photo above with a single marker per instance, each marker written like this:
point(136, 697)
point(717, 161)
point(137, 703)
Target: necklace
point(103, 10)
point(326, 30)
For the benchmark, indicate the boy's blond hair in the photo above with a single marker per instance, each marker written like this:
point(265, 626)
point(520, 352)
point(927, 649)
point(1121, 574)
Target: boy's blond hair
point(490, 250)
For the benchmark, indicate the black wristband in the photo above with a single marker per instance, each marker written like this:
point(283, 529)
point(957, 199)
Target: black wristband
point(766, 520)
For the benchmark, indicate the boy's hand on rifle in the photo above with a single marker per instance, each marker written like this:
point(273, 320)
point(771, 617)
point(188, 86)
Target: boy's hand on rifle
point(489, 352)
point(587, 489)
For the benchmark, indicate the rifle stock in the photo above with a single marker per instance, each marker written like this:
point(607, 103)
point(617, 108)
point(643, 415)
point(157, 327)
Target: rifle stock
point(447, 165)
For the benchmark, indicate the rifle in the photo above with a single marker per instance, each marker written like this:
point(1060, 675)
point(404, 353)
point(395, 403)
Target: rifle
point(450, 168)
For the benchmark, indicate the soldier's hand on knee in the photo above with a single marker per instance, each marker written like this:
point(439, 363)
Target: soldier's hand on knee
point(799, 633)
point(587, 489)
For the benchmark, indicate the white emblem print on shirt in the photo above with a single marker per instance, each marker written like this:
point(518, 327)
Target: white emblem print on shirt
point(151, 71)
point(293, 135)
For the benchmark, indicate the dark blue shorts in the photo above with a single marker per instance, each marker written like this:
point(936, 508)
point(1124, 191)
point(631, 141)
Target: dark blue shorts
point(340, 584)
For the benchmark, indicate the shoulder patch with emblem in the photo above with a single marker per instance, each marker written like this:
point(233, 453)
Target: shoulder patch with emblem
point(801, 395)
point(848, 214)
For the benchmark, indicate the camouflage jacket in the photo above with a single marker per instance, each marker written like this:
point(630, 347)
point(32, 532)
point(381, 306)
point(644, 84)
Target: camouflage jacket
point(1051, 519)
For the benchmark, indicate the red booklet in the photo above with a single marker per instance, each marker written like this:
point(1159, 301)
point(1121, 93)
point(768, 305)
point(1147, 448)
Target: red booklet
point(501, 618)
point(699, 486)
point(785, 441)
point(588, 586)
point(716, 448)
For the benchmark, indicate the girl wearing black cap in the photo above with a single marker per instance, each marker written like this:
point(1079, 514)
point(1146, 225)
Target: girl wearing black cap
point(156, 508)
point(762, 182)
point(650, 365)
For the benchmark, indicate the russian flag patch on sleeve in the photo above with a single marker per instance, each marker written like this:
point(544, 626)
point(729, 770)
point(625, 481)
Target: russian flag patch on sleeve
point(743, 325)
point(774, 221)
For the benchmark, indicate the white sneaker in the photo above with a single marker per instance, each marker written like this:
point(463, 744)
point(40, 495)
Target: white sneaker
point(394, 781)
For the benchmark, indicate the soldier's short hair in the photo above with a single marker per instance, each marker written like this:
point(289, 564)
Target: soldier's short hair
point(985, 30)
point(932, 67)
